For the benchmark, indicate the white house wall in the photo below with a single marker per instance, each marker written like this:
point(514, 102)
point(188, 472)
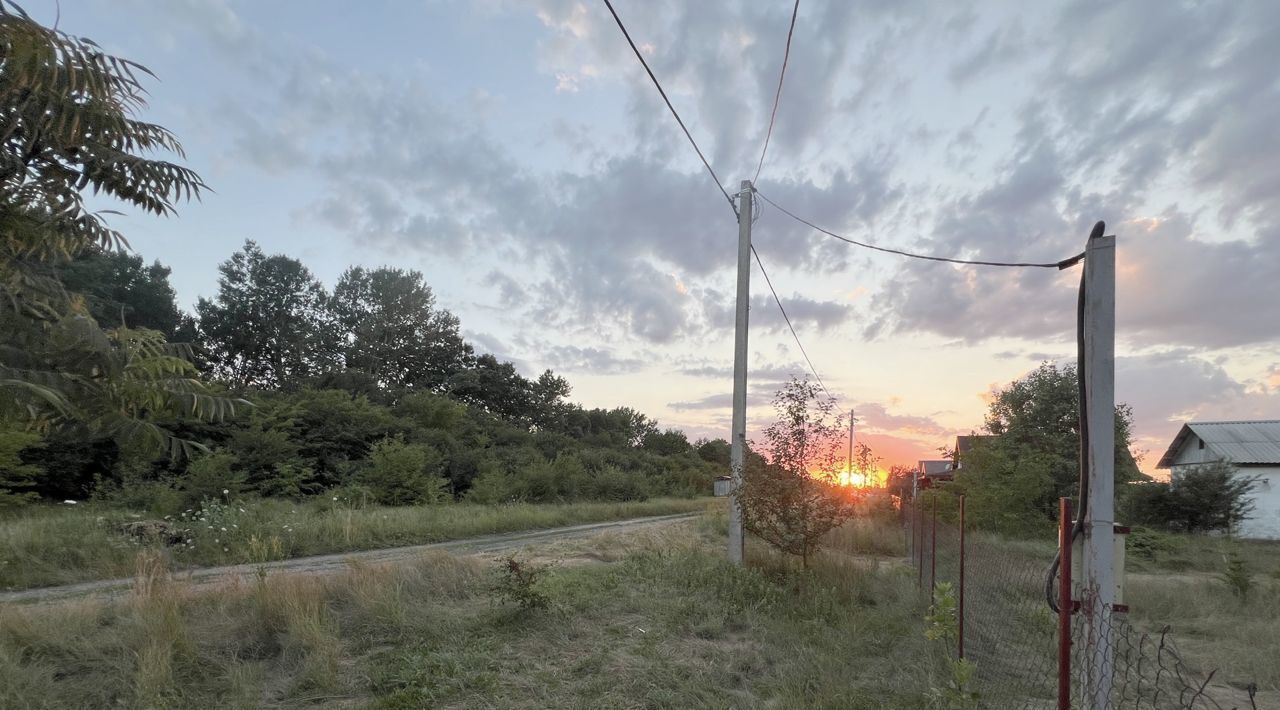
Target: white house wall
point(1264, 522)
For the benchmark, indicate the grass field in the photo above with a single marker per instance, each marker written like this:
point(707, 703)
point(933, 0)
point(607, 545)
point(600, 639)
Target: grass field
point(656, 619)
point(653, 619)
point(62, 545)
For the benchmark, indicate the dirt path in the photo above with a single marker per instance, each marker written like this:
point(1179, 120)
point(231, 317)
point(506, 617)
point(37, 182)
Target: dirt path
point(206, 577)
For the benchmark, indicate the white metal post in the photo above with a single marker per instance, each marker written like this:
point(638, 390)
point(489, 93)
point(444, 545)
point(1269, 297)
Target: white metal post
point(1099, 574)
point(738, 427)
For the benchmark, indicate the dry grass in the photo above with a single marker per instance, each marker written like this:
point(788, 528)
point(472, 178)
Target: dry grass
point(653, 619)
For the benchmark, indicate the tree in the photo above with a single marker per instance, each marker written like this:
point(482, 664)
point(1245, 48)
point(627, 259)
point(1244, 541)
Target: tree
point(1204, 498)
point(17, 477)
point(792, 500)
point(68, 121)
point(121, 291)
point(864, 463)
point(393, 331)
point(666, 443)
point(1014, 478)
point(270, 325)
point(403, 474)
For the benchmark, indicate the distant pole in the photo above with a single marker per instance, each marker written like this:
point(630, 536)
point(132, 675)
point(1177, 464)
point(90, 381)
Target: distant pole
point(738, 445)
point(850, 446)
point(1099, 552)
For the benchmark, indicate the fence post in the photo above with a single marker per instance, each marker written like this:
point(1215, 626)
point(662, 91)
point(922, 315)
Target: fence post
point(961, 610)
point(933, 549)
point(1064, 604)
point(912, 520)
point(920, 562)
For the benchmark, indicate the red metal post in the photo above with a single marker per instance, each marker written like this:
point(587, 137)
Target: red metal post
point(913, 531)
point(933, 549)
point(920, 561)
point(960, 616)
point(1064, 604)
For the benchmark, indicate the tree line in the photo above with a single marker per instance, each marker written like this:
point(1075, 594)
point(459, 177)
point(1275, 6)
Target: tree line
point(369, 390)
point(275, 386)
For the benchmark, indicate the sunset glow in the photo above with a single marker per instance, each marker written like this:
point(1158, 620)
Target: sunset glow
point(872, 479)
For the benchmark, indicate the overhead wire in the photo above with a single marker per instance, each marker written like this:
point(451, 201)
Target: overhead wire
point(670, 107)
point(790, 326)
point(777, 96)
point(1060, 264)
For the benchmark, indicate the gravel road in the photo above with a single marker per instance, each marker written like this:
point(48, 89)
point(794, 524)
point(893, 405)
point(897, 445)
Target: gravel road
point(329, 564)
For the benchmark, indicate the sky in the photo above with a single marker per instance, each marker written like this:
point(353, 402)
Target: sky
point(515, 153)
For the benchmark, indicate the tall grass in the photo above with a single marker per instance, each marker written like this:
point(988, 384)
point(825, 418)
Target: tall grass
point(670, 624)
point(62, 545)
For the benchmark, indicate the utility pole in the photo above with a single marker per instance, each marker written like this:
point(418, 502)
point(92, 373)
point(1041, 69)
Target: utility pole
point(851, 447)
point(1099, 590)
point(738, 445)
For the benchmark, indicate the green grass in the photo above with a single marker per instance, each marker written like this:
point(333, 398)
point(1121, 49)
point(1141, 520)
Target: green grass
point(669, 624)
point(1152, 551)
point(62, 545)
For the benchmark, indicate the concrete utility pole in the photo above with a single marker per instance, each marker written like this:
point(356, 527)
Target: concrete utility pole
point(851, 446)
point(1099, 590)
point(738, 446)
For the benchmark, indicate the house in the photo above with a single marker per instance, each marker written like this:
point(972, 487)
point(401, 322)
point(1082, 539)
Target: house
point(932, 472)
point(965, 444)
point(1253, 447)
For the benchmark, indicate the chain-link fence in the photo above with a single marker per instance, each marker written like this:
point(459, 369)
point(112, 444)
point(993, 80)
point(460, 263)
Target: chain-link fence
point(1013, 638)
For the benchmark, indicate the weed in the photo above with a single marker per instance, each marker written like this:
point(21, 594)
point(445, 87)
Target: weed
point(1237, 576)
point(518, 583)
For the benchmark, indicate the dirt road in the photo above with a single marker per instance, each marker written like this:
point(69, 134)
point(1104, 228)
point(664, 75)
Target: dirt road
point(330, 564)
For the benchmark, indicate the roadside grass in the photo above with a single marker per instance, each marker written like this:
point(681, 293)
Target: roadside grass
point(668, 623)
point(47, 546)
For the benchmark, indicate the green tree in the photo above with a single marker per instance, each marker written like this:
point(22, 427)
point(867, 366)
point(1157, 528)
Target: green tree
point(17, 477)
point(404, 474)
point(666, 443)
point(394, 331)
point(1015, 477)
point(792, 501)
point(122, 291)
point(270, 325)
point(1205, 498)
point(68, 114)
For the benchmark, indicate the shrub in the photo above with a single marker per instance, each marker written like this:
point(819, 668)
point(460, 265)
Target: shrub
point(518, 583)
point(791, 501)
point(210, 477)
point(1237, 576)
point(403, 474)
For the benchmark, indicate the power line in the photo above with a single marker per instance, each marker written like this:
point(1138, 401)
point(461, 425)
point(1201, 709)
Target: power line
point(658, 85)
point(786, 318)
point(1062, 264)
point(786, 54)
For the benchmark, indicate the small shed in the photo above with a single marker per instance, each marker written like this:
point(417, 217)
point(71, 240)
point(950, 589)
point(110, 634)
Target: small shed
point(1253, 447)
point(722, 485)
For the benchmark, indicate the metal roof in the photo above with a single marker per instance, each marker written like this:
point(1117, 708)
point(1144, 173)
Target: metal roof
point(938, 467)
point(1244, 442)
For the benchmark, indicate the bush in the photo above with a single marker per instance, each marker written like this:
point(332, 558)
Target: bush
point(615, 484)
point(1203, 499)
point(518, 583)
point(210, 477)
point(404, 474)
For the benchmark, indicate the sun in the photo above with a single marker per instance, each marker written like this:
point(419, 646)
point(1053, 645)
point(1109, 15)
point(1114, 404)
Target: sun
point(859, 479)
